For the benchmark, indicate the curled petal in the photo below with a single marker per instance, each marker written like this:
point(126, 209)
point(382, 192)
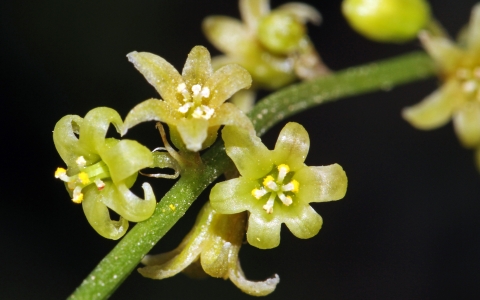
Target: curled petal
point(252, 11)
point(150, 110)
point(292, 146)
point(263, 230)
point(95, 127)
point(253, 288)
point(251, 157)
point(226, 81)
point(442, 50)
point(466, 121)
point(303, 221)
point(214, 259)
point(303, 12)
point(125, 158)
point(134, 208)
point(435, 110)
point(193, 132)
point(321, 184)
point(66, 142)
point(99, 218)
point(233, 196)
point(473, 35)
point(229, 114)
point(158, 72)
point(227, 34)
point(198, 67)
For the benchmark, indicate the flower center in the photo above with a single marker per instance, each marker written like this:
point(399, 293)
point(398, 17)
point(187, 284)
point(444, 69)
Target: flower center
point(87, 175)
point(470, 81)
point(277, 189)
point(193, 106)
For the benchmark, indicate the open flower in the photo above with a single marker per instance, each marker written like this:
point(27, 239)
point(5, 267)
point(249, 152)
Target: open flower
point(211, 247)
point(272, 45)
point(275, 185)
point(459, 96)
point(101, 170)
point(193, 103)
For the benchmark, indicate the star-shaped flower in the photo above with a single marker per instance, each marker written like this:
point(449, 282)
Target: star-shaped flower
point(193, 103)
point(459, 96)
point(272, 45)
point(276, 186)
point(101, 170)
point(211, 247)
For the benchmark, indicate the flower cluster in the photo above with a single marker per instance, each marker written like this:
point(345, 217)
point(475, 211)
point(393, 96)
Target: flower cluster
point(459, 96)
point(101, 170)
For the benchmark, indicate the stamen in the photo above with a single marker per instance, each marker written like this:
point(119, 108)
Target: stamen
point(270, 183)
point(292, 186)
point(205, 92)
point(81, 162)
point(196, 89)
point(259, 193)
point(83, 177)
point(208, 112)
point(77, 195)
point(61, 174)
point(282, 172)
point(182, 86)
point(100, 184)
point(268, 207)
point(184, 108)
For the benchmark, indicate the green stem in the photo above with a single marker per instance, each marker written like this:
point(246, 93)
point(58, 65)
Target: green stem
point(119, 263)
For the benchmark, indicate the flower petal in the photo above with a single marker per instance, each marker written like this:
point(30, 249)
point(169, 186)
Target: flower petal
point(292, 146)
point(193, 132)
point(263, 231)
point(442, 50)
point(321, 184)
point(466, 121)
point(233, 196)
point(95, 127)
point(473, 35)
point(67, 144)
point(435, 110)
point(124, 158)
point(151, 110)
point(227, 34)
point(99, 218)
point(252, 159)
point(252, 11)
point(198, 67)
point(253, 288)
point(229, 114)
point(128, 205)
point(225, 82)
point(304, 222)
point(158, 72)
point(303, 12)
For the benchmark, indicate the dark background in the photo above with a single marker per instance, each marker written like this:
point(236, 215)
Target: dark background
point(408, 227)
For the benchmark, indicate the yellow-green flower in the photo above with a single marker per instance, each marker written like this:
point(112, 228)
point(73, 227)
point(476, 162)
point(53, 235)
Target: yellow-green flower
point(192, 103)
point(211, 247)
point(101, 170)
point(276, 186)
point(459, 96)
point(272, 45)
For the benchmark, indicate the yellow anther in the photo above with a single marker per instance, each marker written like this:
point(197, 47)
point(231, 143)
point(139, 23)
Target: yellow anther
point(267, 180)
point(83, 177)
point(283, 168)
point(78, 198)
point(296, 185)
point(60, 172)
point(81, 162)
point(287, 201)
point(258, 193)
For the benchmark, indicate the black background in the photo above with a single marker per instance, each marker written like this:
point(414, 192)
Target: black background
point(408, 227)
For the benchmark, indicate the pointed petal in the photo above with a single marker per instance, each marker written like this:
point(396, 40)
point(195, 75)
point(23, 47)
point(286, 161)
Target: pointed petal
point(252, 159)
point(227, 34)
point(233, 196)
point(225, 82)
point(263, 231)
point(99, 218)
point(151, 110)
point(193, 132)
point(321, 184)
point(303, 222)
point(252, 11)
point(125, 158)
point(303, 12)
point(466, 121)
point(292, 146)
point(158, 72)
point(198, 67)
point(95, 127)
point(229, 114)
point(473, 37)
point(435, 110)
point(442, 50)
point(253, 288)
point(66, 142)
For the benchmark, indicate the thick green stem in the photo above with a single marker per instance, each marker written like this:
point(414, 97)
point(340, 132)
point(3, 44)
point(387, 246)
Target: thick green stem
point(120, 262)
